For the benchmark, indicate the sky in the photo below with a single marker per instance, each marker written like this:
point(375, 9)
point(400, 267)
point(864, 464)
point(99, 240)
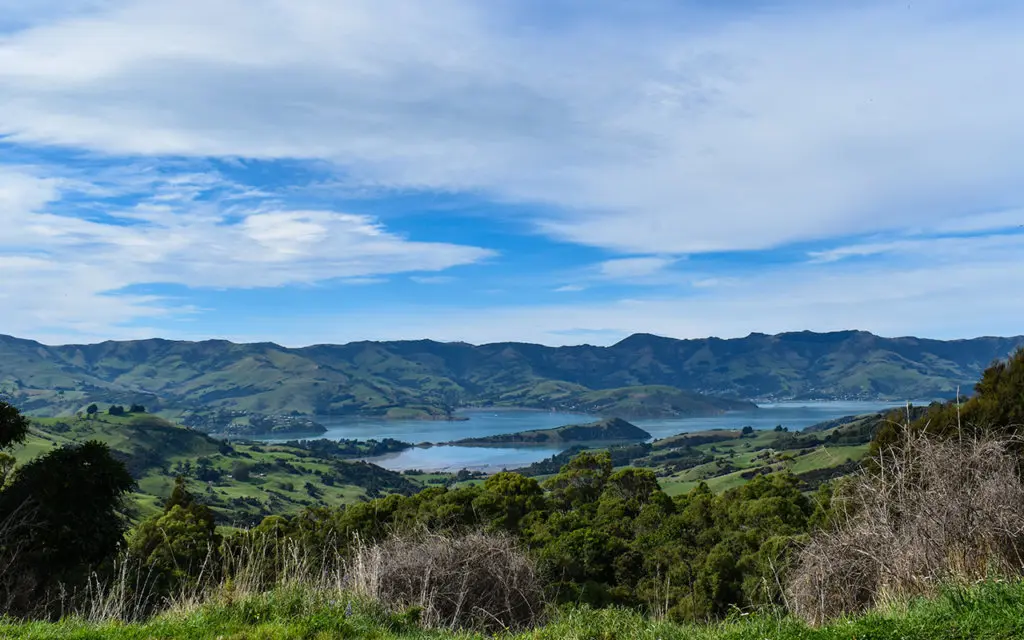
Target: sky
point(552, 171)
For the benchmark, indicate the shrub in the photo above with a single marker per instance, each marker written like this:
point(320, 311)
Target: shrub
point(929, 512)
point(480, 580)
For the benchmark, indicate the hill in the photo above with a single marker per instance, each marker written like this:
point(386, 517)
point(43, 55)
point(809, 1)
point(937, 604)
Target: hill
point(643, 375)
point(728, 458)
point(243, 482)
point(607, 430)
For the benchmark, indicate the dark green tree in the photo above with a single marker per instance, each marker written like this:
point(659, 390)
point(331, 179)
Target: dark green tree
point(581, 481)
point(179, 548)
point(507, 499)
point(13, 426)
point(241, 471)
point(63, 517)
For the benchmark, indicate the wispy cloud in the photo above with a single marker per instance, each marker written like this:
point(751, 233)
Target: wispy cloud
point(630, 268)
point(432, 279)
point(684, 131)
point(937, 248)
point(64, 267)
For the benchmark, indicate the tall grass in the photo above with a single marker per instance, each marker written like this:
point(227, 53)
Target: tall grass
point(929, 512)
point(475, 581)
point(989, 610)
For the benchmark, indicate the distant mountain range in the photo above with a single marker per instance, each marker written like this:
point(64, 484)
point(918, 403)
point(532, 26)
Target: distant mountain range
point(644, 375)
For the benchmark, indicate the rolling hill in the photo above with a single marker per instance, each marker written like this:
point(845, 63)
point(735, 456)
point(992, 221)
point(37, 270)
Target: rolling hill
point(242, 481)
point(643, 375)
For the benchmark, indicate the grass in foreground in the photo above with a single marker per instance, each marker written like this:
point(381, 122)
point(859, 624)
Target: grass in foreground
point(991, 610)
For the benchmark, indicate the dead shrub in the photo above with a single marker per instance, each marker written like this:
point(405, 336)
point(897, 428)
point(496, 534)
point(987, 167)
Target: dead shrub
point(478, 581)
point(929, 512)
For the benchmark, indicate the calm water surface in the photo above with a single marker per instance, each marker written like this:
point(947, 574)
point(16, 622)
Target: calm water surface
point(793, 415)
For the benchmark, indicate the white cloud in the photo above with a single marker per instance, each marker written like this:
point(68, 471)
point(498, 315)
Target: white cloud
point(943, 248)
point(989, 221)
point(432, 279)
point(631, 268)
point(60, 271)
point(680, 133)
point(570, 288)
point(931, 295)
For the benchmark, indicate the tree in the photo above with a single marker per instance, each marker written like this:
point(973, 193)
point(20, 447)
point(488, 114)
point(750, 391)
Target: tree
point(137, 408)
point(636, 485)
point(65, 508)
point(13, 426)
point(116, 410)
point(747, 431)
point(508, 498)
point(241, 471)
point(582, 480)
point(179, 546)
point(92, 410)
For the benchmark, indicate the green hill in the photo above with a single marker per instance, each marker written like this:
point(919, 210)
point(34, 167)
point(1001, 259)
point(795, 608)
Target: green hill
point(641, 376)
point(243, 482)
point(607, 430)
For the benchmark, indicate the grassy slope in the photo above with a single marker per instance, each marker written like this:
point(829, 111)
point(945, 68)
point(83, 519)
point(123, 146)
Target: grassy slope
point(157, 451)
point(989, 611)
point(725, 459)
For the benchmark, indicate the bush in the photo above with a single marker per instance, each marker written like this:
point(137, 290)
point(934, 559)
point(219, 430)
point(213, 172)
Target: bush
point(480, 581)
point(929, 512)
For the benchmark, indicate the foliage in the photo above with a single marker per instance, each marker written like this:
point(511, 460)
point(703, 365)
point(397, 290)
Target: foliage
point(601, 536)
point(349, 448)
point(13, 426)
point(178, 549)
point(61, 520)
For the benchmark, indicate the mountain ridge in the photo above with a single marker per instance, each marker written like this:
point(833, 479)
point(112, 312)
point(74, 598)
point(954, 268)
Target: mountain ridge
point(654, 375)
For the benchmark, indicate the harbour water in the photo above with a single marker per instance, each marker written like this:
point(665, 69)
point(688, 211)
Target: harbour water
point(480, 423)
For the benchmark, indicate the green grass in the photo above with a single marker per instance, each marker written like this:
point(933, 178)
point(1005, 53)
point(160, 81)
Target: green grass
point(989, 611)
point(824, 457)
point(734, 458)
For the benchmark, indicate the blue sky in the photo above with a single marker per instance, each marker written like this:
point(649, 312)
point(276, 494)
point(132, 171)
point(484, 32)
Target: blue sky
point(560, 172)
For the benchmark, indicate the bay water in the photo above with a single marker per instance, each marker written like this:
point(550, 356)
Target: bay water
point(487, 422)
